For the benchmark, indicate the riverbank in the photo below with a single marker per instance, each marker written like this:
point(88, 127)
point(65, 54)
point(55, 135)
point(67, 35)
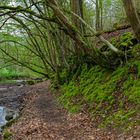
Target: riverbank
point(43, 118)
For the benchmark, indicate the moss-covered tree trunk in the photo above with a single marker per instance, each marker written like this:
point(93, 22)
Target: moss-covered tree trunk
point(132, 15)
point(99, 14)
point(77, 8)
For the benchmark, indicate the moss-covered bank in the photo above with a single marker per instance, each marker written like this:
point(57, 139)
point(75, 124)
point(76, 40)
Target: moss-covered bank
point(113, 96)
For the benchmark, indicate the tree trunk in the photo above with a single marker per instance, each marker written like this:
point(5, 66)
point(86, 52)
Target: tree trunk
point(77, 8)
point(132, 15)
point(99, 15)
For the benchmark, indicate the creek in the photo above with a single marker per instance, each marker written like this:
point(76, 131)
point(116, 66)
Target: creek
point(10, 102)
point(6, 115)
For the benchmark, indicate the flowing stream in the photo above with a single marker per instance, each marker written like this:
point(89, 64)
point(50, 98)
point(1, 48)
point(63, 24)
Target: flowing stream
point(6, 103)
point(11, 95)
point(6, 115)
point(3, 121)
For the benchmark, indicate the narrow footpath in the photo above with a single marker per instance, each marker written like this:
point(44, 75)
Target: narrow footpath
point(42, 118)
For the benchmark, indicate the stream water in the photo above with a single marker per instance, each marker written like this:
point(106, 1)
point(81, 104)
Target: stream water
point(6, 115)
point(3, 121)
point(8, 100)
point(11, 98)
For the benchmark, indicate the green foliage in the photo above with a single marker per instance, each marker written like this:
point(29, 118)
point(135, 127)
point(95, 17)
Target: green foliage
point(125, 41)
point(138, 67)
point(131, 89)
point(95, 84)
point(104, 92)
point(113, 41)
point(73, 28)
point(7, 135)
point(119, 118)
point(135, 51)
point(6, 73)
point(127, 37)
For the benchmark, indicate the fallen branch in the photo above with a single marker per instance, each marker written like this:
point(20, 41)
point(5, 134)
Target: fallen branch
point(102, 39)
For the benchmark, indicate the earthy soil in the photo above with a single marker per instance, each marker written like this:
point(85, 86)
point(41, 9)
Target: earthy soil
point(117, 33)
point(43, 118)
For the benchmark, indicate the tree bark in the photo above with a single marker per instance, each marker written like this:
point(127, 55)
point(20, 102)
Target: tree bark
point(132, 15)
point(99, 12)
point(69, 28)
point(97, 16)
point(77, 8)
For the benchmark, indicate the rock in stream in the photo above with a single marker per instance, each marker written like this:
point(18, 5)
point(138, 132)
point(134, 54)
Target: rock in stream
point(6, 115)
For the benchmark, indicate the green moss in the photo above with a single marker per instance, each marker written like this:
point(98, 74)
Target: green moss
point(94, 85)
point(137, 63)
point(104, 91)
point(126, 37)
point(135, 51)
point(7, 135)
point(125, 41)
point(113, 40)
point(10, 122)
point(73, 28)
point(30, 82)
point(74, 109)
point(132, 89)
point(118, 119)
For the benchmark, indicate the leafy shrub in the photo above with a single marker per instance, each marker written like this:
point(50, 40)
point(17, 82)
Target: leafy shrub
point(11, 74)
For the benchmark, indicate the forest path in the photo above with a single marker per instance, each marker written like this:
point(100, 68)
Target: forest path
point(44, 119)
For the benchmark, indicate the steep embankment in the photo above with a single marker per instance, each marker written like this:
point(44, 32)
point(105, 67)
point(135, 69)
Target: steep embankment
point(112, 97)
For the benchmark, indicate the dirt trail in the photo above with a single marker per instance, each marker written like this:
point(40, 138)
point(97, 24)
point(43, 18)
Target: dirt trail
point(44, 119)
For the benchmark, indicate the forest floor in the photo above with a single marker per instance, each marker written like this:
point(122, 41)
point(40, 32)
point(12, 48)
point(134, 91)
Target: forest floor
point(43, 118)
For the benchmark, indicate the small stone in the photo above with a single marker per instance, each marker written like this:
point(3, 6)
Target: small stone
point(9, 117)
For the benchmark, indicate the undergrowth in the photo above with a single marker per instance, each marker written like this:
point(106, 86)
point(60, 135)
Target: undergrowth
point(12, 74)
point(112, 97)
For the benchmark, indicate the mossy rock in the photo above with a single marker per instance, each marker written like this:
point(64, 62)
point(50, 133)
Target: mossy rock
point(9, 114)
point(30, 82)
point(9, 117)
point(10, 122)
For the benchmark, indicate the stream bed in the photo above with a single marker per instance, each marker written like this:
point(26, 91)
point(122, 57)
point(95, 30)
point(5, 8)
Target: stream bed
point(11, 99)
point(6, 115)
point(2, 116)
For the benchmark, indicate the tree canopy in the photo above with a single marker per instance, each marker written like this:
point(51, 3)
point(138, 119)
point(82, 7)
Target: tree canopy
point(48, 36)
